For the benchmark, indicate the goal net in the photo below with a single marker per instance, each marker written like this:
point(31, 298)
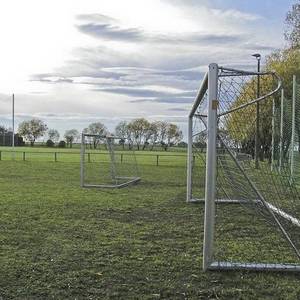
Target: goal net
point(107, 162)
point(252, 207)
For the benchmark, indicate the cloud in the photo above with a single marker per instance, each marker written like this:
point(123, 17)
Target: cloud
point(178, 109)
point(166, 100)
point(108, 32)
point(105, 28)
point(206, 6)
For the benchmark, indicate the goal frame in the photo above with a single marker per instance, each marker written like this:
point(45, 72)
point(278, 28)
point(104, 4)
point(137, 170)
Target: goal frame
point(210, 84)
point(128, 180)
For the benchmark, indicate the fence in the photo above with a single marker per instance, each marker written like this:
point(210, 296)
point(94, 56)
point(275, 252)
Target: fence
point(60, 156)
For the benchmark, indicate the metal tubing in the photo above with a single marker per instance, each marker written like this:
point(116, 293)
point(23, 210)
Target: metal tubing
point(293, 125)
point(189, 160)
point(82, 156)
point(210, 184)
point(281, 130)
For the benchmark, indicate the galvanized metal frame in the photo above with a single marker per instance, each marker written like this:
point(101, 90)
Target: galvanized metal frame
point(128, 180)
point(209, 83)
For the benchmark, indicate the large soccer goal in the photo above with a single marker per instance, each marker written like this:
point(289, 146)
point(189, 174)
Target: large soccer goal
point(107, 162)
point(252, 207)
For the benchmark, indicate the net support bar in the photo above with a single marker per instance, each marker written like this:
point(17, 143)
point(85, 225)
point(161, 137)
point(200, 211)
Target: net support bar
point(210, 183)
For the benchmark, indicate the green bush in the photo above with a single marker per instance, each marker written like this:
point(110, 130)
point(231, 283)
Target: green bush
point(62, 144)
point(50, 143)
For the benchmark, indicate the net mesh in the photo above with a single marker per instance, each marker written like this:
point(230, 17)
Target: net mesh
point(108, 162)
point(263, 227)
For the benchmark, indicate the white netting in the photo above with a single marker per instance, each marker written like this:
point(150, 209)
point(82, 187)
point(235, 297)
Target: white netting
point(263, 226)
point(107, 162)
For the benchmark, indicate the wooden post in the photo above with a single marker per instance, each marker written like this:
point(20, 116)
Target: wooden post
point(24, 156)
point(157, 156)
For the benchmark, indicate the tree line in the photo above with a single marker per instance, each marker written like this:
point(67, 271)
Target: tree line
point(286, 63)
point(140, 132)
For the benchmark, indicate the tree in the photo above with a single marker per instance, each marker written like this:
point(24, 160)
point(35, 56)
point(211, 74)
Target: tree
point(155, 133)
point(173, 134)
point(53, 135)
point(121, 131)
point(96, 128)
point(292, 32)
point(3, 129)
point(71, 136)
point(31, 130)
point(162, 128)
point(286, 63)
point(138, 129)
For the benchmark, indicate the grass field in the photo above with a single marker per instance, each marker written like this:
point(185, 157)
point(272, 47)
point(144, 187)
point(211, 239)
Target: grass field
point(59, 241)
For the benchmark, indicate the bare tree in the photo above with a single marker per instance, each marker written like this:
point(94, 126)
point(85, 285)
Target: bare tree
point(174, 135)
point(99, 129)
point(31, 130)
point(121, 131)
point(53, 135)
point(138, 128)
point(71, 136)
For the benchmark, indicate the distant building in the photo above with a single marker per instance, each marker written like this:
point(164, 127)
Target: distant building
point(6, 139)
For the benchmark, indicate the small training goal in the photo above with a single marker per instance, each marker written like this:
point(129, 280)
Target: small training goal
point(239, 166)
point(107, 162)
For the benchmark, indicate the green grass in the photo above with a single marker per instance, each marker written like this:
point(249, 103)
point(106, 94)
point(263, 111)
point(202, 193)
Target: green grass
point(59, 241)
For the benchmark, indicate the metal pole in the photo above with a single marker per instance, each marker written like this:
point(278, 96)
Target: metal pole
point(281, 130)
point(293, 125)
point(211, 158)
point(257, 138)
point(13, 126)
point(189, 160)
point(273, 134)
point(82, 156)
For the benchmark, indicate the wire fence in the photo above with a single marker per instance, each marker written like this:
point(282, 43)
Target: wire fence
point(90, 157)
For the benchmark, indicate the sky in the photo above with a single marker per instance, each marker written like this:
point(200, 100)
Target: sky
point(74, 62)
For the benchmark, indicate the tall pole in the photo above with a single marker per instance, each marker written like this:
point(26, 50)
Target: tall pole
point(211, 161)
point(190, 159)
point(13, 126)
point(281, 130)
point(257, 138)
point(273, 134)
point(293, 125)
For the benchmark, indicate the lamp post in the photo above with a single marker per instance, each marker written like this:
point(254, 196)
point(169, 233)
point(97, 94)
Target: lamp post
point(257, 138)
point(13, 126)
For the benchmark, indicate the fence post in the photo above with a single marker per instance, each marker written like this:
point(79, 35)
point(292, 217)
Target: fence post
point(157, 156)
point(121, 157)
point(55, 156)
point(89, 157)
point(24, 156)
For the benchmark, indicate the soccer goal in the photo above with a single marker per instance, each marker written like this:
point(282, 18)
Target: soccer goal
point(107, 162)
point(252, 207)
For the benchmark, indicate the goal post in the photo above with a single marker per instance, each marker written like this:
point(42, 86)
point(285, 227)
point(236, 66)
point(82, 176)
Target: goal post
point(211, 158)
point(106, 165)
point(221, 133)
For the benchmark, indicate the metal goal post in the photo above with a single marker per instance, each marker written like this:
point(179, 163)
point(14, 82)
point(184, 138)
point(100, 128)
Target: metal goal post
point(107, 164)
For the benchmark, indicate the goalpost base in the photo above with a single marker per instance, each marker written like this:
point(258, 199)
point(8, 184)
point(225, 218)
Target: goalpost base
point(233, 266)
point(111, 186)
point(225, 201)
